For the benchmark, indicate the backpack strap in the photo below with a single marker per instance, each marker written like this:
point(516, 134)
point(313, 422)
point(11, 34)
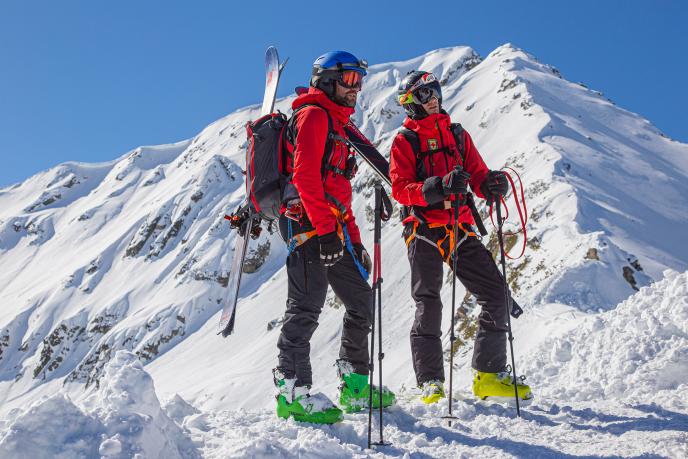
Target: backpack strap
point(413, 140)
point(291, 135)
point(458, 131)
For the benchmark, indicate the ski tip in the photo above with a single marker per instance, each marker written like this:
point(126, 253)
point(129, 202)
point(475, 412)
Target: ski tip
point(271, 56)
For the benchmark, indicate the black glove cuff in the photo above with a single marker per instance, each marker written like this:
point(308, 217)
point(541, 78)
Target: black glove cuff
point(330, 239)
point(433, 191)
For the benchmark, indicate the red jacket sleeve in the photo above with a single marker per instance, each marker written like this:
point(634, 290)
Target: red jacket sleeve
point(311, 136)
point(352, 228)
point(406, 188)
point(474, 164)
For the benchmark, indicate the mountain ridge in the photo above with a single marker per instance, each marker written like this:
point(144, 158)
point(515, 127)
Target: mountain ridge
point(148, 250)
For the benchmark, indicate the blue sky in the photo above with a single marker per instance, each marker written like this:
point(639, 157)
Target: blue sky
point(90, 80)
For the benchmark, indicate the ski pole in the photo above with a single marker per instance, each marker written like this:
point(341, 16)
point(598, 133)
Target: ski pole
point(371, 365)
point(456, 204)
point(507, 299)
point(383, 211)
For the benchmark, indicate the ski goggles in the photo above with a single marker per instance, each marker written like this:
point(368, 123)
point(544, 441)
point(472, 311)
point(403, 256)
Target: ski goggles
point(422, 91)
point(351, 79)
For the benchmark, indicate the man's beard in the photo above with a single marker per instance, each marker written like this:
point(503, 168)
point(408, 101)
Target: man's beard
point(344, 101)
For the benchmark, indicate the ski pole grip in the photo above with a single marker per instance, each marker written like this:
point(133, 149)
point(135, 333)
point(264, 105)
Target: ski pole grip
point(378, 196)
point(378, 212)
point(387, 208)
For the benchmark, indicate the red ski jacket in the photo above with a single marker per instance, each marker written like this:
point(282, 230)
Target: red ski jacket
point(312, 185)
point(434, 132)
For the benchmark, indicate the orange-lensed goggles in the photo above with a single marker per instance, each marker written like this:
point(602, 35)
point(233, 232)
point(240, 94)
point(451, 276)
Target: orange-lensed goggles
point(351, 79)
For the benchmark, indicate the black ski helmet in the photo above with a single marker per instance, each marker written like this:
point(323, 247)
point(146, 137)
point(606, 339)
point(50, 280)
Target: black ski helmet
point(328, 68)
point(417, 88)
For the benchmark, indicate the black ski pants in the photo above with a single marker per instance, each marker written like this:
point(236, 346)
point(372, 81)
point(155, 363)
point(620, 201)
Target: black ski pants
point(308, 281)
point(478, 272)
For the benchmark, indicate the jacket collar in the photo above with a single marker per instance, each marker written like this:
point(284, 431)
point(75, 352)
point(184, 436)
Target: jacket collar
point(428, 125)
point(317, 96)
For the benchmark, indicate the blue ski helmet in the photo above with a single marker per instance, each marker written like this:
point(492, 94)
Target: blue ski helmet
point(328, 68)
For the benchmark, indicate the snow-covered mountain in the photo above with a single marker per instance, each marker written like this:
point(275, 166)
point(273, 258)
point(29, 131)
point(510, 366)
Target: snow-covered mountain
point(133, 255)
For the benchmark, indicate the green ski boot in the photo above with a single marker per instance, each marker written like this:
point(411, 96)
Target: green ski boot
point(296, 401)
point(354, 390)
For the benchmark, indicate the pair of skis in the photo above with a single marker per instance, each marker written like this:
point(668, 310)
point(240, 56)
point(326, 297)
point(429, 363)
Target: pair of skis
point(356, 140)
point(273, 70)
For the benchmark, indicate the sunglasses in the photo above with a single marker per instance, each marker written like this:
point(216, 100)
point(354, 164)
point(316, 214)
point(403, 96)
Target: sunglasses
point(351, 79)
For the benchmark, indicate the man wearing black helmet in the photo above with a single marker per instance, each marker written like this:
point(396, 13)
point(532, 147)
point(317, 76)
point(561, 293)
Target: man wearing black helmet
point(324, 246)
point(432, 163)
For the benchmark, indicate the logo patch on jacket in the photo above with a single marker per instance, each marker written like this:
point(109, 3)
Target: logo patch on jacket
point(432, 144)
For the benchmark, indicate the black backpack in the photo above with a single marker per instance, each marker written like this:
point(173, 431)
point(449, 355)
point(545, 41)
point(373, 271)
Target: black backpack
point(264, 177)
point(268, 184)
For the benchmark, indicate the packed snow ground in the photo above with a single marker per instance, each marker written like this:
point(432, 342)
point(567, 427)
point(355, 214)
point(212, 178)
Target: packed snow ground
point(121, 418)
point(105, 264)
point(635, 405)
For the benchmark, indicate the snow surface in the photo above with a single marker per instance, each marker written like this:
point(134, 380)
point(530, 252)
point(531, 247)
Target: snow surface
point(112, 276)
point(122, 418)
point(635, 353)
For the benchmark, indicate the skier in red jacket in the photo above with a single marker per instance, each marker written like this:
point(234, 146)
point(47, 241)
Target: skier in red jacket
point(324, 246)
point(428, 171)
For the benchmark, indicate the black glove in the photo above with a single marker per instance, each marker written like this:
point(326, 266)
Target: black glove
point(516, 310)
point(456, 182)
point(432, 190)
point(494, 186)
point(331, 249)
point(363, 257)
point(351, 168)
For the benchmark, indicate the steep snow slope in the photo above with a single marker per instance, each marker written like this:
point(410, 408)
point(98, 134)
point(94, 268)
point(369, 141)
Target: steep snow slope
point(133, 254)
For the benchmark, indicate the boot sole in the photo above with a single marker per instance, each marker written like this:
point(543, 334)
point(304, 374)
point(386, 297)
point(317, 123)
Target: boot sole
point(360, 405)
point(333, 417)
point(506, 400)
point(324, 419)
point(317, 420)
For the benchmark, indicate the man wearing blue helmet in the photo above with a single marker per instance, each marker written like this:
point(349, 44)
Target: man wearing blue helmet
point(324, 246)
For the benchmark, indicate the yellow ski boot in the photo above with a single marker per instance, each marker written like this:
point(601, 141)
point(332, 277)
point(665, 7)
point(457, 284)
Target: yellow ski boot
point(499, 386)
point(432, 392)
